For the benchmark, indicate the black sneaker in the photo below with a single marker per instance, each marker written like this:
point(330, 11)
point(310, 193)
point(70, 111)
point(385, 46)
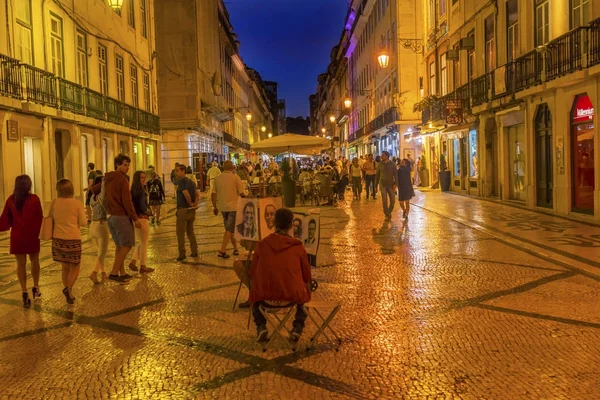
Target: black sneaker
point(181, 257)
point(261, 333)
point(127, 277)
point(117, 278)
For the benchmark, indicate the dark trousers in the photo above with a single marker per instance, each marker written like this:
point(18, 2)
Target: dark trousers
point(260, 319)
point(370, 184)
point(356, 186)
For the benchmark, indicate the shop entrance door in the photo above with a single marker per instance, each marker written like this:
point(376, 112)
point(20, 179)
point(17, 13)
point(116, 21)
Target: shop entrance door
point(32, 151)
point(582, 155)
point(464, 156)
point(491, 159)
point(62, 147)
point(544, 173)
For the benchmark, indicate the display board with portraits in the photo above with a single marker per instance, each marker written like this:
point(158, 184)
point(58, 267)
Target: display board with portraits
point(307, 228)
point(255, 217)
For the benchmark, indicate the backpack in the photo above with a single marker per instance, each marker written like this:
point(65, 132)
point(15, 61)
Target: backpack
point(154, 190)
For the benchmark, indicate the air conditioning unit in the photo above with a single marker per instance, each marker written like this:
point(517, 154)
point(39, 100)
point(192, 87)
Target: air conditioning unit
point(452, 54)
point(467, 43)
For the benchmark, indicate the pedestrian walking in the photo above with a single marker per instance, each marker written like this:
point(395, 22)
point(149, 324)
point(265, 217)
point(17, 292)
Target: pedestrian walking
point(212, 173)
point(174, 179)
point(23, 216)
point(370, 169)
point(227, 188)
point(139, 198)
point(356, 174)
point(69, 215)
point(405, 187)
point(156, 194)
point(386, 180)
point(91, 177)
point(189, 173)
point(117, 198)
point(186, 213)
point(99, 230)
point(411, 163)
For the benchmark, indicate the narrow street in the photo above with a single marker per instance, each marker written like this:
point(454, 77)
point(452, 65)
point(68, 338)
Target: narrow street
point(470, 299)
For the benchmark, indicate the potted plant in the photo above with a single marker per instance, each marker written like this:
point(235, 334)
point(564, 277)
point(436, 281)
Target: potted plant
point(444, 174)
point(423, 172)
point(288, 184)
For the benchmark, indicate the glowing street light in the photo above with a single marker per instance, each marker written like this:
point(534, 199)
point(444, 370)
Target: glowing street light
point(383, 58)
point(115, 4)
point(347, 103)
point(323, 130)
point(263, 128)
point(270, 135)
point(332, 118)
point(249, 116)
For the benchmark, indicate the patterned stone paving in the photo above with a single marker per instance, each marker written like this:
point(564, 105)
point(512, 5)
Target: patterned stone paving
point(468, 300)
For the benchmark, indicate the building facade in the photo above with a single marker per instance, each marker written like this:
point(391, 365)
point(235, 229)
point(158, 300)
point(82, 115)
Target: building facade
point(381, 98)
point(77, 85)
point(212, 105)
point(511, 88)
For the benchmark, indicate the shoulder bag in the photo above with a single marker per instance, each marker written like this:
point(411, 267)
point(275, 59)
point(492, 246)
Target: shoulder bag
point(48, 225)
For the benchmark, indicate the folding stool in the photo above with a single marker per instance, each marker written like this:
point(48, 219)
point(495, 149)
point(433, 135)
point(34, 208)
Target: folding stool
point(323, 325)
point(280, 312)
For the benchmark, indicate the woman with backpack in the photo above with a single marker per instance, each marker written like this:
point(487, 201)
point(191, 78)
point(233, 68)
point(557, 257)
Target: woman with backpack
point(23, 215)
point(99, 232)
point(139, 198)
point(156, 193)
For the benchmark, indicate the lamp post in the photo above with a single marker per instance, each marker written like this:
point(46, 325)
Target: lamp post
point(263, 129)
point(115, 4)
point(347, 103)
point(332, 118)
point(270, 135)
point(249, 116)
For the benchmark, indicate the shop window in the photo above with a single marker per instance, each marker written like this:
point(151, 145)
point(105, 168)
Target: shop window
point(473, 155)
point(582, 155)
point(516, 162)
point(456, 157)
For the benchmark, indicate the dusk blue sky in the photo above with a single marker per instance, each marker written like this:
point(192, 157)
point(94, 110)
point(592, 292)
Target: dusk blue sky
point(288, 42)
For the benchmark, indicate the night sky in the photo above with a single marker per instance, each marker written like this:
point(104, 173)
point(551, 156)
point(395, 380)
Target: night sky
point(289, 42)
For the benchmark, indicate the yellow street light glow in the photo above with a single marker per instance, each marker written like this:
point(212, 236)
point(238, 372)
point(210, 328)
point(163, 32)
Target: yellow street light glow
point(332, 118)
point(323, 130)
point(347, 103)
point(249, 116)
point(270, 135)
point(115, 4)
point(383, 58)
point(263, 128)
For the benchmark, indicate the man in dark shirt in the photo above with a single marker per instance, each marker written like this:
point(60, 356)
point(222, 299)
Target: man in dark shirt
point(186, 213)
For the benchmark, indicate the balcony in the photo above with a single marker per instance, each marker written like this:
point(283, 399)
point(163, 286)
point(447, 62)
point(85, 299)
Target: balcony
point(45, 88)
point(594, 43)
point(564, 54)
point(71, 96)
point(10, 77)
point(479, 90)
point(40, 86)
point(432, 109)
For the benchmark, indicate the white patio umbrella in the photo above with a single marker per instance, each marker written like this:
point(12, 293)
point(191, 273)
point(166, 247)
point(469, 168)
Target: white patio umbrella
point(291, 142)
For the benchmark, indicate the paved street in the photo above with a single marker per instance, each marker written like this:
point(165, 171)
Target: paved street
point(469, 300)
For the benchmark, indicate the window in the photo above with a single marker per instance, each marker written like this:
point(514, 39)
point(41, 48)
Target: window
point(143, 18)
point(542, 24)
point(456, 69)
point(432, 78)
point(443, 75)
point(471, 61)
point(580, 13)
point(146, 92)
point(24, 31)
point(490, 44)
point(134, 85)
point(56, 43)
point(103, 70)
point(512, 30)
point(473, 158)
point(120, 78)
point(130, 13)
point(442, 8)
point(432, 11)
point(81, 62)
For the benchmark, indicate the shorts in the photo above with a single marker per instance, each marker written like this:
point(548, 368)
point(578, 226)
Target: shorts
point(229, 220)
point(121, 230)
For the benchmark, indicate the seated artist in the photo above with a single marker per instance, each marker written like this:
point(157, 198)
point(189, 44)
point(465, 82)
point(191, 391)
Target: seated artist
point(280, 273)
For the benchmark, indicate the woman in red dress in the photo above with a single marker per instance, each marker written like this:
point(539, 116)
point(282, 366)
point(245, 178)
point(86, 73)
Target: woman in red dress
point(23, 215)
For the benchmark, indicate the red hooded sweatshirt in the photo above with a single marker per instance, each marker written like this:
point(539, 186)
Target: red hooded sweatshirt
point(280, 270)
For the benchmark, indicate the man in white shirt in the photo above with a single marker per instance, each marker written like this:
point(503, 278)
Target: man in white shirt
point(212, 173)
point(226, 189)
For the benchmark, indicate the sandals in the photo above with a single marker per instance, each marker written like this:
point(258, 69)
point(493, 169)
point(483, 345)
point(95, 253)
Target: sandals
point(236, 252)
point(223, 254)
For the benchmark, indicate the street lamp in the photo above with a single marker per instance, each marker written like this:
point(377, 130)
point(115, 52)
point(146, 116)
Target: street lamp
point(323, 131)
point(270, 135)
point(347, 103)
point(332, 118)
point(115, 4)
point(263, 128)
point(383, 58)
point(249, 116)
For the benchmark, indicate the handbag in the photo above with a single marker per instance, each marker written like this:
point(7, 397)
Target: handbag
point(48, 225)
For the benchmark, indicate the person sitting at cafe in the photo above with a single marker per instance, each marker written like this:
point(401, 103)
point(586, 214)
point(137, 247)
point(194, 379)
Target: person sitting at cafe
point(258, 178)
point(280, 272)
point(275, 178)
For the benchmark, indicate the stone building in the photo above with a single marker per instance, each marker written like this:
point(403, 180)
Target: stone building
point(511, 88)
point(211, 105)
point(77, 85)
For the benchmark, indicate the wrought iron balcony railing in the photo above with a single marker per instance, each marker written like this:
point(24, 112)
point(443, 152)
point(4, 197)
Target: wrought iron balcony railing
point(10, 77)
point(114, 111)
point(479, 87)
point(594, 43)
point(40, 86)
point(564, 54)
point(130, 116)
point(95, 104)
point(71, 96)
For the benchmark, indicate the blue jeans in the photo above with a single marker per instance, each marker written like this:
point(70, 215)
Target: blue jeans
point(261, 321)
point(387, 192)
point(370, 184)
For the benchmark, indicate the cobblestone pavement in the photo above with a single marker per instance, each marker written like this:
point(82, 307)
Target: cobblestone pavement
point(469, 300)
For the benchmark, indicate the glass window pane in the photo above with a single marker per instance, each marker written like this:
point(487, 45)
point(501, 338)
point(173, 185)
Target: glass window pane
point(474, 157)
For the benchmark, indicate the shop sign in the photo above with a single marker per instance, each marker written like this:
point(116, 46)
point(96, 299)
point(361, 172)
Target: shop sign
point(12, 130)
point(583, 110)
point(454, 112)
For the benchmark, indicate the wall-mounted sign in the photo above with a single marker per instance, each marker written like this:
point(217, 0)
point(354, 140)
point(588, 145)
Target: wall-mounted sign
point(12, 130)
point(583, 110)
point(454, 112)
point(500, 80)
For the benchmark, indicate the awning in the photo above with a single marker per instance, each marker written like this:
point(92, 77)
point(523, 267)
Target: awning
point(457, 128)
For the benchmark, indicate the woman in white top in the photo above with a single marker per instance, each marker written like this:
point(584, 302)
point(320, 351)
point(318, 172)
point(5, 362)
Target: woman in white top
point(68, 215)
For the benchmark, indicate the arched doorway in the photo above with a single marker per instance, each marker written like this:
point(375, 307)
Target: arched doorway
point(544, 172)
point(491, 159)
point(582, 155)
